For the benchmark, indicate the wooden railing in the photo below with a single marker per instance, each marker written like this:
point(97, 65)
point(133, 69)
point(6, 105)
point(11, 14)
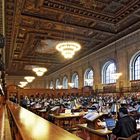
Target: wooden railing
point(29, 126)
point(5, 132)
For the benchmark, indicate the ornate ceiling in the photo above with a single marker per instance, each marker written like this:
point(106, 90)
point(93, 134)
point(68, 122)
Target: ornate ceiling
point(34, 27)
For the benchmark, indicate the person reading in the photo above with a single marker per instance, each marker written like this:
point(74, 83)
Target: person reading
point(125, 126)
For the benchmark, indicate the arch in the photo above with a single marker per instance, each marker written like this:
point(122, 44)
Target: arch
point(57, 83)
point(108, 69)
point(65, 82)
point(88, 77)
point(135, 66)
point(51, 85)
point(75, 80)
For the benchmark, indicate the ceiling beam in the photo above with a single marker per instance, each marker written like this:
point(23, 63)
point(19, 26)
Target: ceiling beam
point(42, 19)
point(77, 10)
point(36, 60)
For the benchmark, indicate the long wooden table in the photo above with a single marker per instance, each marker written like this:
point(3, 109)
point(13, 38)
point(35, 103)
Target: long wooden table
point(68, 115)
point(99, 134)
point(96, 134)
point(32, 127)
point(68, 118)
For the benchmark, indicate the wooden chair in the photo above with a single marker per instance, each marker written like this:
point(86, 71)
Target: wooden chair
point(134, 136)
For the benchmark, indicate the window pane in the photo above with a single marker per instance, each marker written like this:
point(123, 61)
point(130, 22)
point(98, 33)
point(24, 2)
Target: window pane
point(65, 83)
point(109, 69)
point(57, 83)
point(137, 69)
point(51, 85)
point(88, 79)
point(75, 80)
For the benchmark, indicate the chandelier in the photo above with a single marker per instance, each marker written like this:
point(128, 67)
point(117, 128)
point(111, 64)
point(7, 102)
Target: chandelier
point(29, 78)
point(39, 71)
point(23, 84)
point(68, 48)
point(116, 75)
point(59, 86)
point(71, 84)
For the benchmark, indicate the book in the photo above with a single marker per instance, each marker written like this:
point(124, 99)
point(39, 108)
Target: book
point(91, 116)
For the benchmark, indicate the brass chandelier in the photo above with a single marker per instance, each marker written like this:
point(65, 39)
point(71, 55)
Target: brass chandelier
point(39, 71)
point(68, 48)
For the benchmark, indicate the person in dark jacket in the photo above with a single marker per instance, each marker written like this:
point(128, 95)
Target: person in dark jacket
point(126, 125)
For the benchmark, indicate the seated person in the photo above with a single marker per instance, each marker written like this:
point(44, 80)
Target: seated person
point(58, 109)
point(125, 126)
point(61, 109)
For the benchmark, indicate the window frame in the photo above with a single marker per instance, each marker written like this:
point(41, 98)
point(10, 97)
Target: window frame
point(65, 85)
point(56, 83)
point(51, 85)
point(104, 73)
point(86, 73)
point(133, 61)
point(74, 76)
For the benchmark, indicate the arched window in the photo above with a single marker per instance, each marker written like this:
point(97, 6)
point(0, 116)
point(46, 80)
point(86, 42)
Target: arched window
point(88, 77)
point(57, 84)
point(51, 85)
point(109, 68)
point(75, 80)
point(135, 67)
point(65, 83)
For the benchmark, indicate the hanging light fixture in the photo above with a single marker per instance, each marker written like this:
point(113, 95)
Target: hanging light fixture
point(71, 84)
point(21, 86)
point(39, 71)
point(59, 86)
point(68, 48)
point(23, 83)
point(51, 87)
point(29, 78)
point(116, 75)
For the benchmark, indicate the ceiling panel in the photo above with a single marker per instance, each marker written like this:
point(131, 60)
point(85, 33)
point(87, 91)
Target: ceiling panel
point(34, 27)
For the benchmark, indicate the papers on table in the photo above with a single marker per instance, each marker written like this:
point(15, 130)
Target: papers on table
point(67, 111)
point(91, 116)
point(55, 108)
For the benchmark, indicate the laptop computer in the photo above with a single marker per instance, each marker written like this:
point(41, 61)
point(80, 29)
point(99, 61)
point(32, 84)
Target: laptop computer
point(138, 110)
point(110, 123)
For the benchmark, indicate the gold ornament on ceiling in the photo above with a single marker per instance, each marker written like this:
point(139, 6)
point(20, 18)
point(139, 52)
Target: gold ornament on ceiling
point(47, 46)
point(88, 3)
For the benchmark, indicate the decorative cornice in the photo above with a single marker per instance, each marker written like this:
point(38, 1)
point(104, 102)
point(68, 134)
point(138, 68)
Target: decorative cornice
point(93, 14)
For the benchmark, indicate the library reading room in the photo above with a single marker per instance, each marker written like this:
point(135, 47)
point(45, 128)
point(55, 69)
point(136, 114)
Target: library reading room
point(69, 69)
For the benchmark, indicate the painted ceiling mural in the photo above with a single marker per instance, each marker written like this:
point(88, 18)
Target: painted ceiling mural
point(34, 27)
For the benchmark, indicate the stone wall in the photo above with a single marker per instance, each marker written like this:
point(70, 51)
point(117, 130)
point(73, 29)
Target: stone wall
point(125, 47)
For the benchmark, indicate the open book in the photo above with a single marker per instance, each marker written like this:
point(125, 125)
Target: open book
point(91, 116)
point(55, 108)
